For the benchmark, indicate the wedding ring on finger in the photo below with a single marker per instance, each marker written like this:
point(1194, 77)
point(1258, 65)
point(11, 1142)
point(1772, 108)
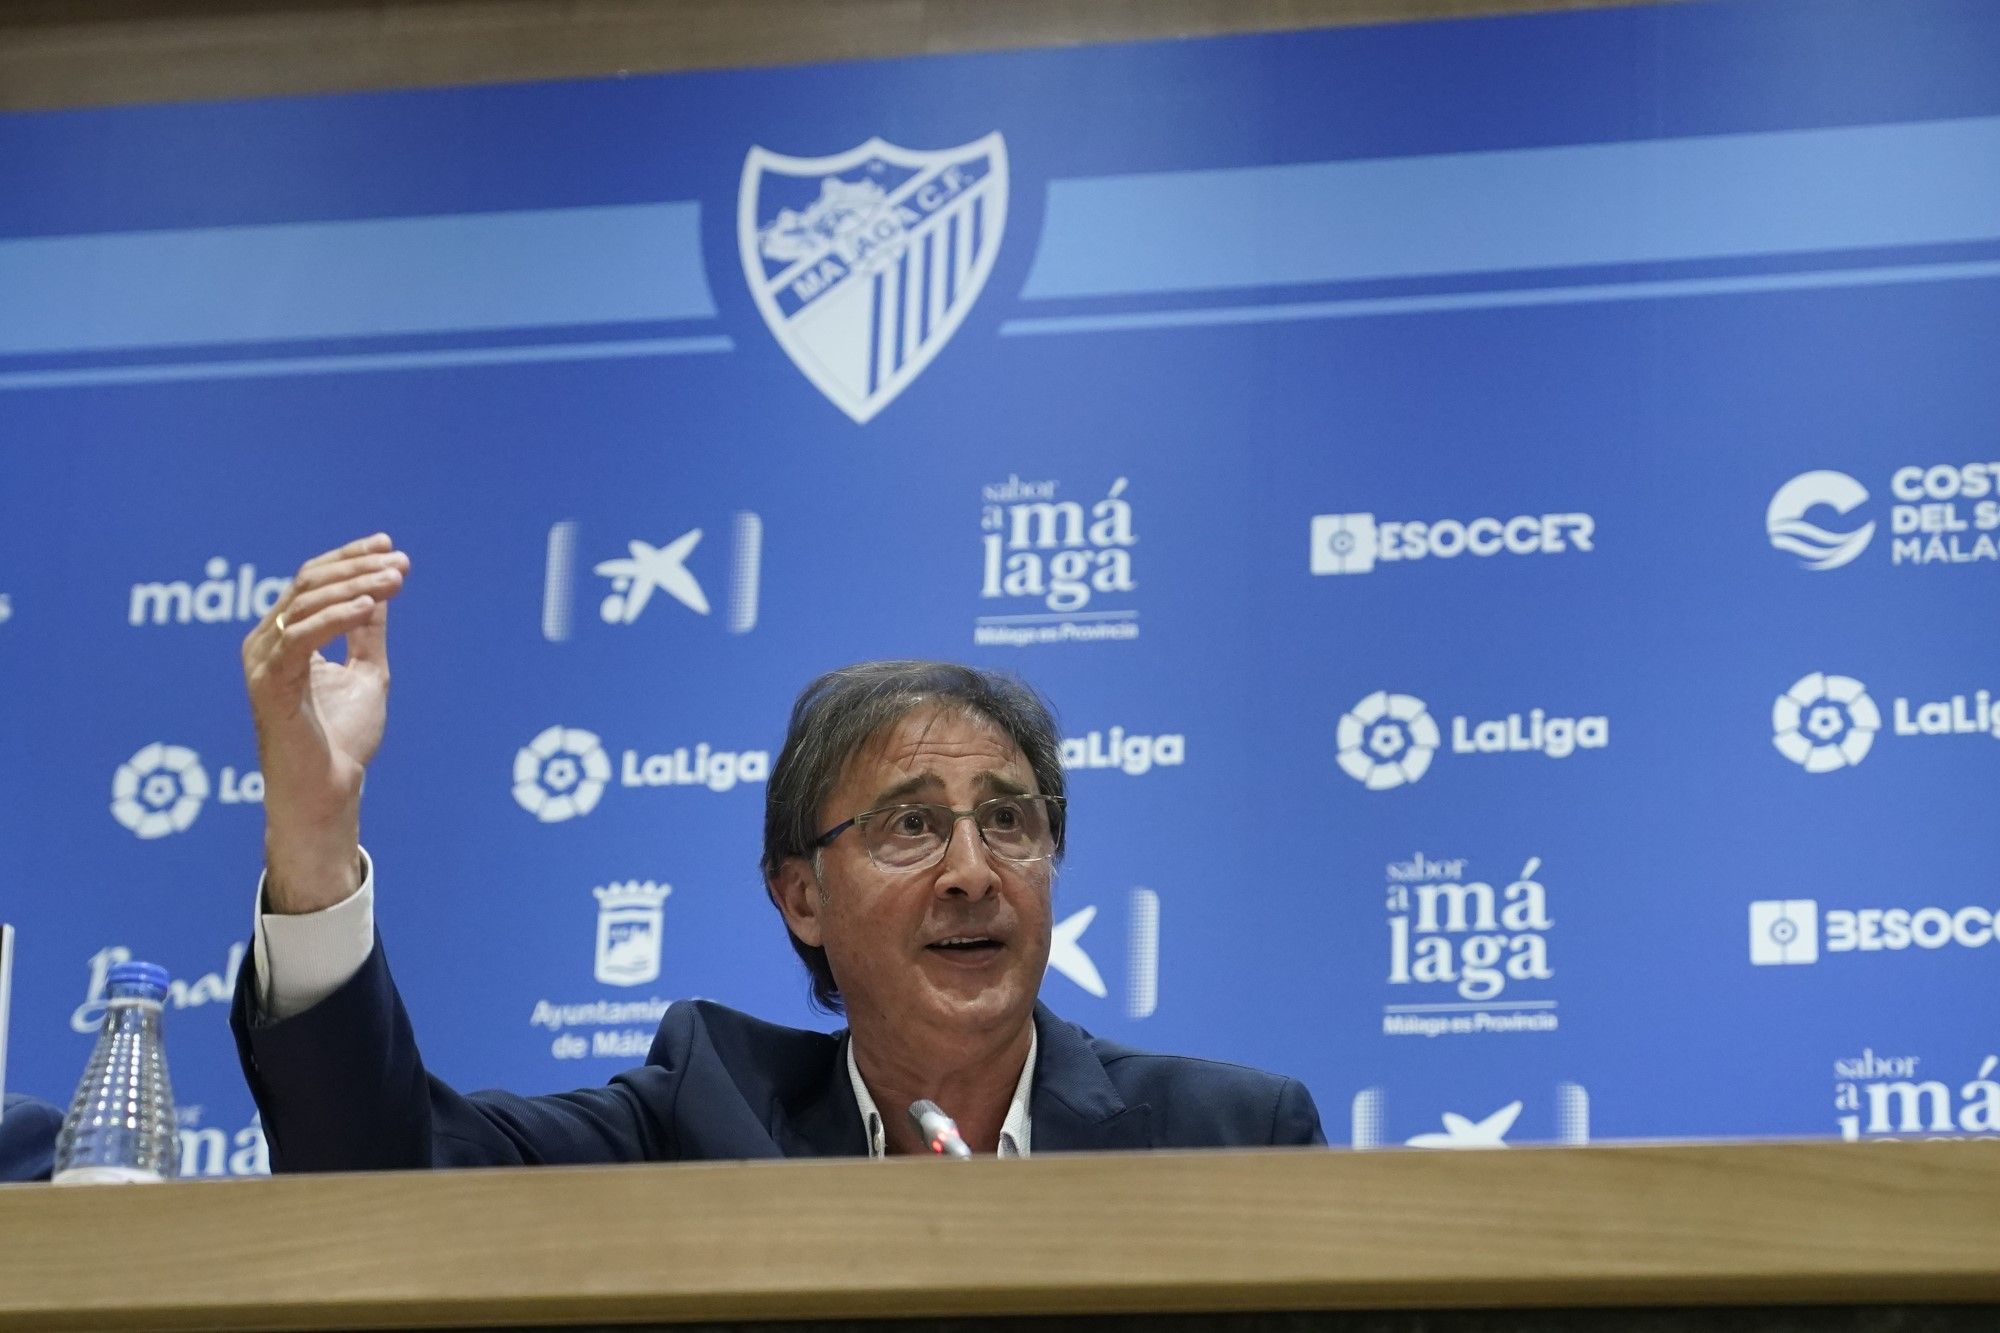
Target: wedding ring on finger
point(281, 624)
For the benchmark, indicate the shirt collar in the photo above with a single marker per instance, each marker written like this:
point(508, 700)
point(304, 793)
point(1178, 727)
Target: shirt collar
point(1014, 1131)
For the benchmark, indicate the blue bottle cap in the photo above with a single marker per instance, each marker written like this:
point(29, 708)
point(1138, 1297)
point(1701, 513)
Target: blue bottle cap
point(145, 981)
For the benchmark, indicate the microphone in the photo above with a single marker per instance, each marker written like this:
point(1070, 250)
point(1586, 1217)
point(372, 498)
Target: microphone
point(938, 1130)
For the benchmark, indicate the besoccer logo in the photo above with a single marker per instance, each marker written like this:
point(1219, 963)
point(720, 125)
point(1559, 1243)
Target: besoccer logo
point(1343, 543)
point(1824, 722)
point(159, 790)
point(1784, 931)
point(1386, 740)
point(560, 774)
point(1818, 548)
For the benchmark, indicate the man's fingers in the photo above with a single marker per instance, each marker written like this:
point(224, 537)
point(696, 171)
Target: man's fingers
point(336, 592)
point(380, 584)
point(330, 572)
point(297, 642)
point(369, 641)
point(376, 543)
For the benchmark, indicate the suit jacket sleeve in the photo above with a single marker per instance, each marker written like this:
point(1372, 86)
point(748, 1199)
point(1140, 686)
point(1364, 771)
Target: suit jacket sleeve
point(342, 1087)
point(28, 1129)
point(1295, 1119)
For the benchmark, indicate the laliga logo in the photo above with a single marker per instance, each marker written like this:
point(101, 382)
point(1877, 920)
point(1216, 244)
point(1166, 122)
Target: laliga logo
point(1387, 740)
point(561, 774)
point(1820, 548)
point(159, 790)
point(864, 264)
point(1824, 722)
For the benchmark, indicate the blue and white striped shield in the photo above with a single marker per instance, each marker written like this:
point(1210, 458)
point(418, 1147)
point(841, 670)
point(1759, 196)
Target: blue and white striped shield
point(864, 264)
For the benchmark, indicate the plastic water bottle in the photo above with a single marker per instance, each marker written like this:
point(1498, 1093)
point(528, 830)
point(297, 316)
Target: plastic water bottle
point(120, 1127)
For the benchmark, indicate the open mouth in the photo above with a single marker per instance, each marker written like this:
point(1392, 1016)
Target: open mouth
point(965, 945)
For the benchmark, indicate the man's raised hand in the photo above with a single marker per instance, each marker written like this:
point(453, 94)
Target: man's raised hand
point(319, 722)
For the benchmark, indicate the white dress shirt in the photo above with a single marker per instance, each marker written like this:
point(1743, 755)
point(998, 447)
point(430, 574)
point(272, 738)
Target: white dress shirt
point(1014, 1131)
point(301, 959)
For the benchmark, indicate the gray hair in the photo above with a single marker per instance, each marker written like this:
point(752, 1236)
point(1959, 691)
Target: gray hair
point(841, 711)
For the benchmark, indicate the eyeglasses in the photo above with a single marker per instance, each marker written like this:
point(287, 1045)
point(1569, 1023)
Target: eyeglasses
point(1021, 828)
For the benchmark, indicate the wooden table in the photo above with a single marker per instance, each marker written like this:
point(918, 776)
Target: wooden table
point(1287, 1230)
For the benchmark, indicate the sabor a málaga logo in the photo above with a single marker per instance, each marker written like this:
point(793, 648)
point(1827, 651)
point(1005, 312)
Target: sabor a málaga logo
point(1059, 569)
point(864, 264)
point(1893, 1096)
point(1456, 944)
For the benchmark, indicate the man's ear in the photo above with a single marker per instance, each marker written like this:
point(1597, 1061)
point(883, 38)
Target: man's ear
point(796, 891)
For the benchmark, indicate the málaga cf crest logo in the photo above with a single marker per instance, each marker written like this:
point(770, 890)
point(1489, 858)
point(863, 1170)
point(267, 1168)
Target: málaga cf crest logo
point(864, 264)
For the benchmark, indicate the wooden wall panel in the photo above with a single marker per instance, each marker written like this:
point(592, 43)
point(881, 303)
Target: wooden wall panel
point(66, 53)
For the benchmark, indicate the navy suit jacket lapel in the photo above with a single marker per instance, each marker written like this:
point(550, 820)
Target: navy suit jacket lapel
point(825, 1122)
point(1075, 1106)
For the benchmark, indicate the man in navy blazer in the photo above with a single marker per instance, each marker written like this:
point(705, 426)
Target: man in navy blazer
point(28, 1128)
point(913, 822)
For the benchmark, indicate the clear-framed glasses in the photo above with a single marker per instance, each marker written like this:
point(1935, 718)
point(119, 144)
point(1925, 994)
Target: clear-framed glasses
point(1022, 829)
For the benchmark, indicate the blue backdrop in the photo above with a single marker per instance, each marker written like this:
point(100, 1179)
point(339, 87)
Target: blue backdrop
point(1504, 509)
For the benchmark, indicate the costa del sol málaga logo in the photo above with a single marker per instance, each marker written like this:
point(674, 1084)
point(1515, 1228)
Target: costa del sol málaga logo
point(561, 774)
point(1386, 740)
point(1817, 547)
point(865, 263)
point(159, 790)
point(1824, 722)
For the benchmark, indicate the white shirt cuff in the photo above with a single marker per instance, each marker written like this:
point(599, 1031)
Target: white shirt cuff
point(304, 958)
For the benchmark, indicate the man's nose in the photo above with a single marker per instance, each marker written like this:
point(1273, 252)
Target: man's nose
point(967, 867)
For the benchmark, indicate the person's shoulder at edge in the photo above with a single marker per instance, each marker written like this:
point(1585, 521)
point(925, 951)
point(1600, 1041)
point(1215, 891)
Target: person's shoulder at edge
point(28, 1127)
